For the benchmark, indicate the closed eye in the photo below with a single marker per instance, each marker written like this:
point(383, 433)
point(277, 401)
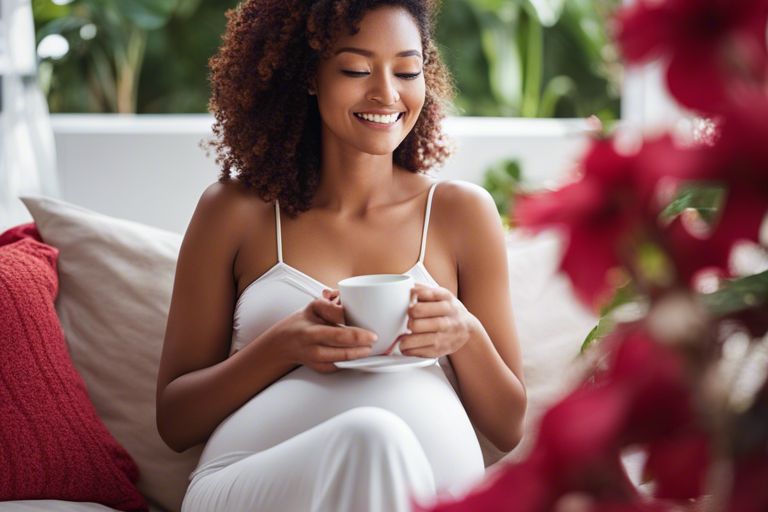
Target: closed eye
point(405, 76)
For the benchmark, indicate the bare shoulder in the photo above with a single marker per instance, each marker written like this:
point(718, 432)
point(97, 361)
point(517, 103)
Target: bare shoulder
point(229, 208)
point(228, 198)
point(465, 205)
point(463, 192)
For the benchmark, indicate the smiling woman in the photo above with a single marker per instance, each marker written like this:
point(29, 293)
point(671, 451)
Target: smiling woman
point(267, 72)
point(327, 116)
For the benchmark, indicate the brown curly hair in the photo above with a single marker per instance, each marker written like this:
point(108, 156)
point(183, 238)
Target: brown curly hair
point(267, 128)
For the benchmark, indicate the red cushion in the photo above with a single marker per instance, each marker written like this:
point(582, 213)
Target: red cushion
point(52, 443)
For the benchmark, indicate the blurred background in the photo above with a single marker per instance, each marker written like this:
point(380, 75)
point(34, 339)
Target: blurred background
point(519, 58)
point(125, 83)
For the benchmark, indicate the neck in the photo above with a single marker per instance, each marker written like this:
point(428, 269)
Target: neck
point(352, 182)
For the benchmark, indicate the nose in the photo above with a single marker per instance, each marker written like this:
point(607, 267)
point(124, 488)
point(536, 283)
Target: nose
point(383, 90)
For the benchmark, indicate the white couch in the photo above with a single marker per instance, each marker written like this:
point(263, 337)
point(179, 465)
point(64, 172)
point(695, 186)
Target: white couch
point(115, 285)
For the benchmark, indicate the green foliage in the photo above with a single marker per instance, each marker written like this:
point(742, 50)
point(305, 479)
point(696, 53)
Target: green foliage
point(705, 199)
point(167, 40)
point(502, 180)
point(741, 294)
point(532, 58)
point(624, 295)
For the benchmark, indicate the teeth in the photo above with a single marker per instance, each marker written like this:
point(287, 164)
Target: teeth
point(378, 118)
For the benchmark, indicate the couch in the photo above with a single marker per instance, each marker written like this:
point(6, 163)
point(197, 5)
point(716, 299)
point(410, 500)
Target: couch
point(115, 280)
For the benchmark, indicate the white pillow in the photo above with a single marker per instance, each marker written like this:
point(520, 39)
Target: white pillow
point(551, 324)
point(116, 279)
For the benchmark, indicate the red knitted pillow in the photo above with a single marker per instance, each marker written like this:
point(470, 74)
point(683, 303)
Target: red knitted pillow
point(52, 443)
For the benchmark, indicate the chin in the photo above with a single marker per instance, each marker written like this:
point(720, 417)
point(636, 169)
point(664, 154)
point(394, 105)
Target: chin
point(378, 149)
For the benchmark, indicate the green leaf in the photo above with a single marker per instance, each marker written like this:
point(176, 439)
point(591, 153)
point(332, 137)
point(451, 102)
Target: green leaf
point(62, 26)
point(705, 198)
point(604, 327)
point(147, 14)
point(505, 73)
point(625, 294)
point(739, 295)
point(547, 11)
point(557, 88)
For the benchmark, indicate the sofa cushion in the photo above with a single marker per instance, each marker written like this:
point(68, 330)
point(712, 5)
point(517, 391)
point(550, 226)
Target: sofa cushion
point(116, 280)
point(52, 443)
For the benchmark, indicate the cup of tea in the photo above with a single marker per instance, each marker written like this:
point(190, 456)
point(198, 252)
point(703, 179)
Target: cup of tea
point(378, 303)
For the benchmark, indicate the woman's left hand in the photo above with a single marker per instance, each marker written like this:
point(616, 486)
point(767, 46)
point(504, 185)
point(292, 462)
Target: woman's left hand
point(438, 321)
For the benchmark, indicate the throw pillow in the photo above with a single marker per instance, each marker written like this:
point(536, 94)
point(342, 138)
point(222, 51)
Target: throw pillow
point(116, 280)
point(52, 443)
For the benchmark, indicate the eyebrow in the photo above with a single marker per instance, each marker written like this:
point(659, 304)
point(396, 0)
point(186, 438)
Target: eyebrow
point(368, 53)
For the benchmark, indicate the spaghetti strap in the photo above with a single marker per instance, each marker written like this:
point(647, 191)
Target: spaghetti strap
point(278, 233)
point(424, 230)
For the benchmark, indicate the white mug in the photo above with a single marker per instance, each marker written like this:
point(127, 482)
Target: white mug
point(379, 303)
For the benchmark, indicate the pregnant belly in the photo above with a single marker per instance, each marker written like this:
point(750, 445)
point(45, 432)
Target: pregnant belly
point(422, 397)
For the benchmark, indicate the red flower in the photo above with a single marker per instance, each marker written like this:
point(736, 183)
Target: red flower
point(515, 488)
point(750, 492)
point(653, 378)
point(714, 48)
point(641, 399)
point(739, 161)
point(678, 464)
point(604, 210)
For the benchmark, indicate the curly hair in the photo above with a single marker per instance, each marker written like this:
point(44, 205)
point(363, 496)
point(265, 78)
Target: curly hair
point(267, 128)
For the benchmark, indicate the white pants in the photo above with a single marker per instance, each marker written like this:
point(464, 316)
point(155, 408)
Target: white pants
point(341, 442)
point(365, 459)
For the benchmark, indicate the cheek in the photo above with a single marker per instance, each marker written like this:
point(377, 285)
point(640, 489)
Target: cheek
point(414, 98)
point(333, 103)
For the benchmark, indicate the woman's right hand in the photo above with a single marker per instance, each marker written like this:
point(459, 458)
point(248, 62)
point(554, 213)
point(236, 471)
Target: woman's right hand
point(316, 337)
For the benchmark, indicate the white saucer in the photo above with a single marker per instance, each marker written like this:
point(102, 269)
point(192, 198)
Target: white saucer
point(391, 363)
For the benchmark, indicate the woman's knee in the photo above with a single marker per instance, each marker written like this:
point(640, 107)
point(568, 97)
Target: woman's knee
point(372, 426)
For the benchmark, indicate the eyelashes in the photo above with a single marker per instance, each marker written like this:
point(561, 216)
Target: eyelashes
point(404, 76)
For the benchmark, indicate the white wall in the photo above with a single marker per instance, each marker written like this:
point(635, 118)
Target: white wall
point(150, 168)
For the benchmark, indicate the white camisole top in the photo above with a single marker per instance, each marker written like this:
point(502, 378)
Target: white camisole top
point(303, 398)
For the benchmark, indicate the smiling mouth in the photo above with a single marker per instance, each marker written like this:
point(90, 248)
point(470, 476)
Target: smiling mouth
point(383, 119)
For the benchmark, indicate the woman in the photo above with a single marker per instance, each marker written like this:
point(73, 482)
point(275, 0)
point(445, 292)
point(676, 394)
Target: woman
point(328, 115)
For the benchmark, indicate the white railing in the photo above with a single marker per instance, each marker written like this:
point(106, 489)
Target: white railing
point(151, 169)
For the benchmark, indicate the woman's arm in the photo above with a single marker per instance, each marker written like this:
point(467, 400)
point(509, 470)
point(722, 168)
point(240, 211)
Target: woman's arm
point(198, 385)
point(489, 366)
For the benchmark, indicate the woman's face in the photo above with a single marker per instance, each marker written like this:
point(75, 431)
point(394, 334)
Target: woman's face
point(370, 91)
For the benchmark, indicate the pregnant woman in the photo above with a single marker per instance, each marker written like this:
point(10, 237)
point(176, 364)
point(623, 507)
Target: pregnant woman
point(328, 118)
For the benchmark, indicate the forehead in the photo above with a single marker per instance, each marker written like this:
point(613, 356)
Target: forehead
point(384, 30)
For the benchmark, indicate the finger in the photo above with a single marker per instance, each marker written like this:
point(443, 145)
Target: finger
point(434, 324)
point(328, 311)
point(424, 293)
point(341, 336)
point(416, 342)
point(331, 294)
point(421, 352)
point(324, 367)
point(429, 309)
point(325, 354)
